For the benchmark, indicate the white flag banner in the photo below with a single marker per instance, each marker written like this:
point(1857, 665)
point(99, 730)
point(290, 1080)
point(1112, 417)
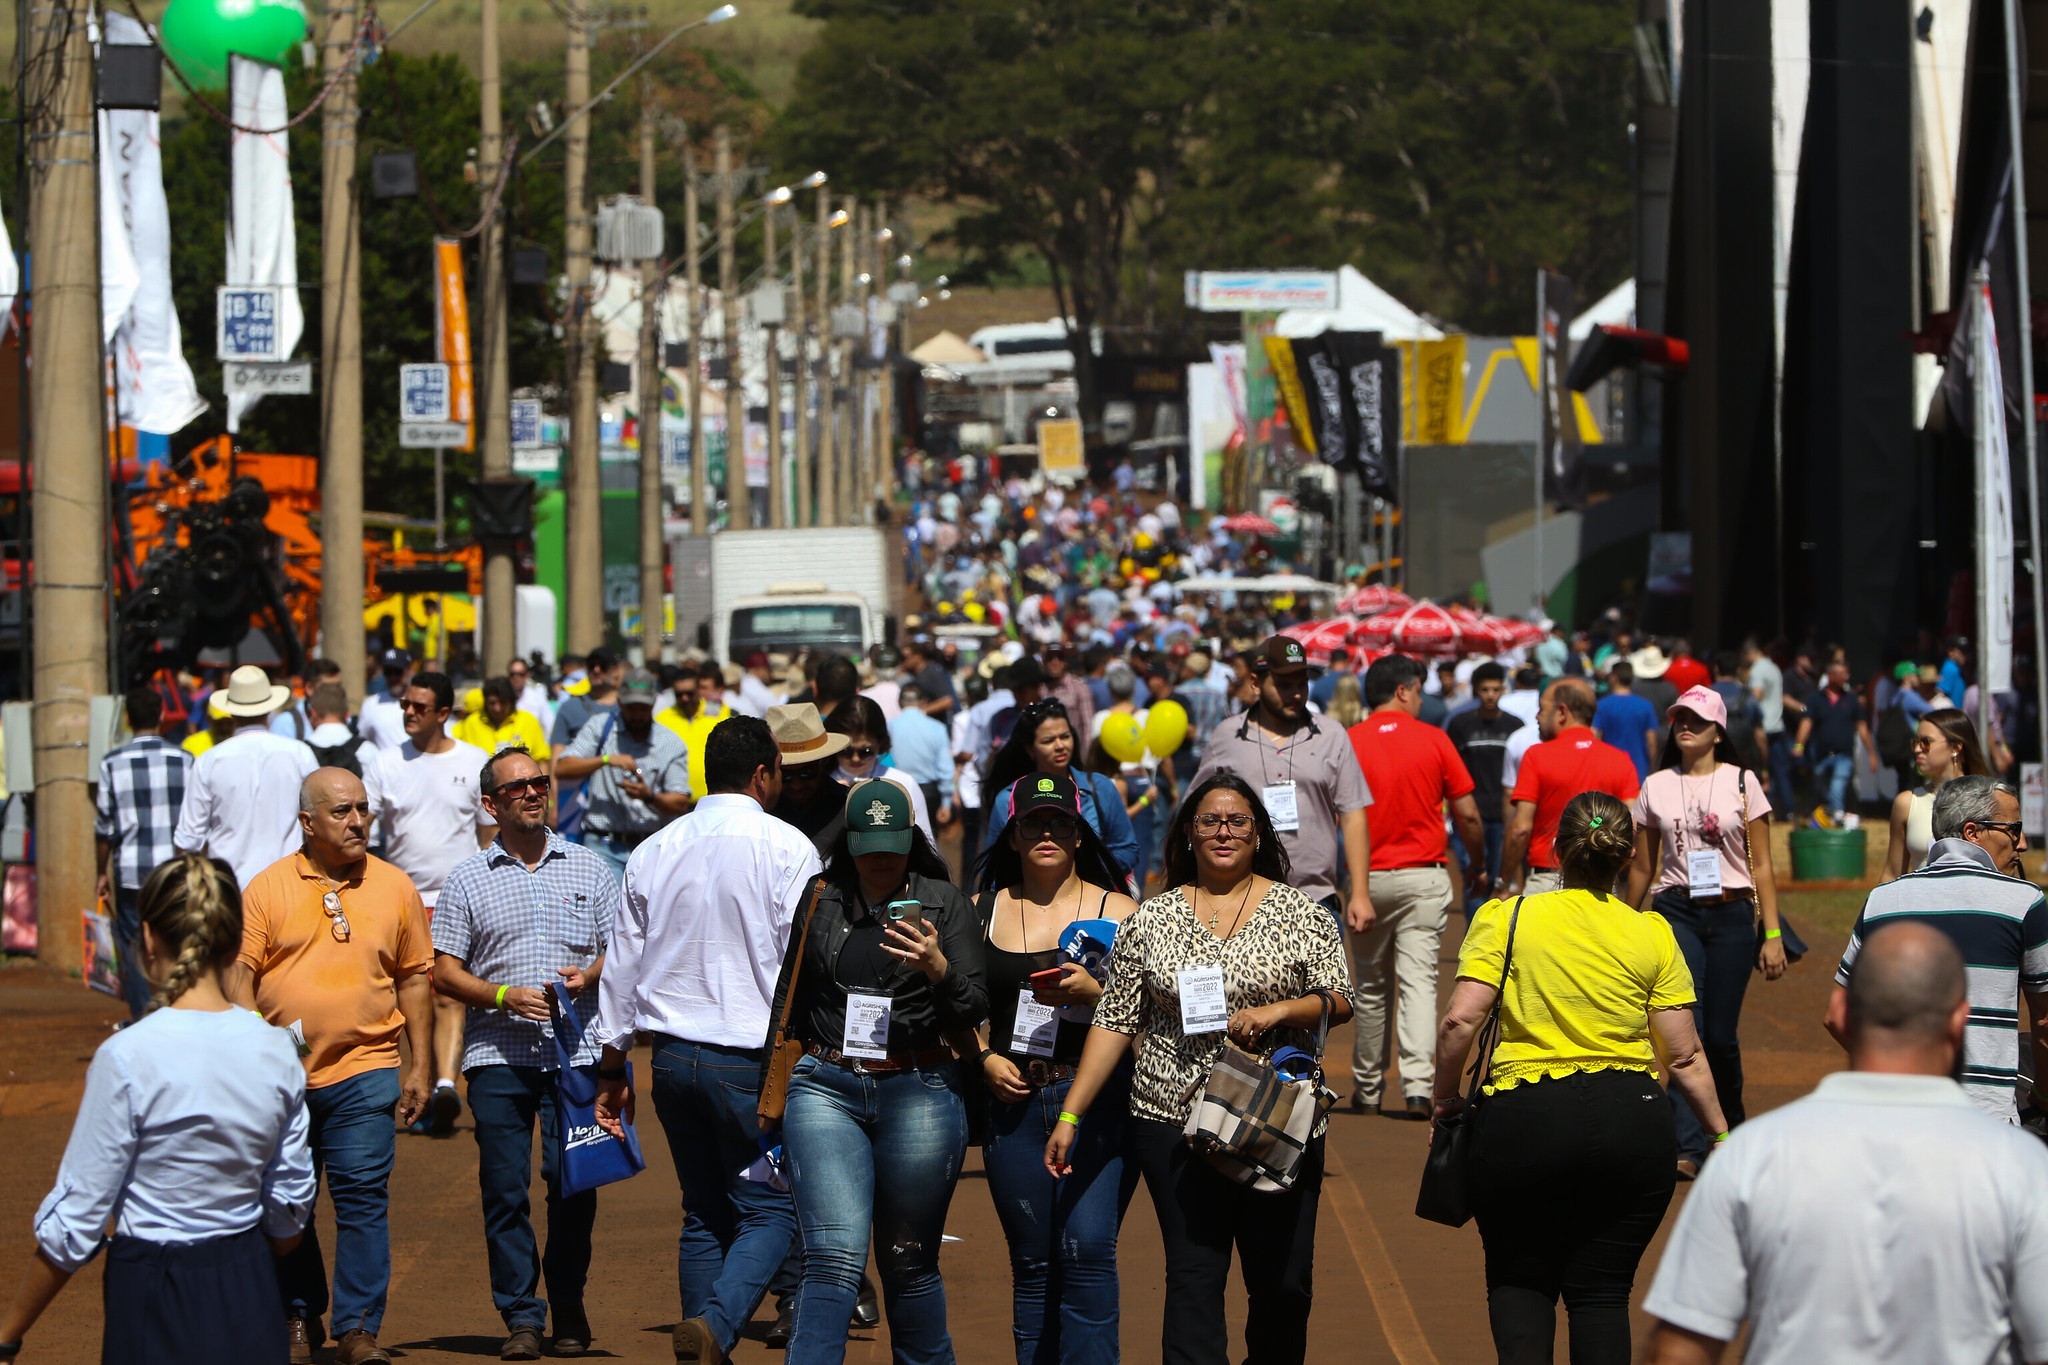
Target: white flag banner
point(119, 275)
point(10, 279)
point(154, 386)
point(1994, 507)
point(262, 242)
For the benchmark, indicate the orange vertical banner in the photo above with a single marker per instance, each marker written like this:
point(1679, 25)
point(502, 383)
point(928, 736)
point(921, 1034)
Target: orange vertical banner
point(451, 335)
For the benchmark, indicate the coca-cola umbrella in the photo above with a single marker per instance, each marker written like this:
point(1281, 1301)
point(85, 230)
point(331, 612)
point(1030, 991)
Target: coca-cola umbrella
point(1424, 628)
point(1375, 598)
point(1482, 634)
point(1250, 524)
point(1320, 637)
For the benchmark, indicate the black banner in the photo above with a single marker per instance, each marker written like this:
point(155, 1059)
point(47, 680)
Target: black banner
point(1564, 463)
point(1371, 378)
point(1323, 388)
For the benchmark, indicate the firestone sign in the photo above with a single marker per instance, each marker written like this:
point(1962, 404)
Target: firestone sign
point(1260, 291)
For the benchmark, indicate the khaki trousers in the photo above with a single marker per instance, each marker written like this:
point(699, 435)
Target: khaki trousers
point(1542, 879)
point(1393, 970)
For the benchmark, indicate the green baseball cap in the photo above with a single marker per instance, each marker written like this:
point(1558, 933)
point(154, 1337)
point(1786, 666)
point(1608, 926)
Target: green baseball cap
point(878, 818)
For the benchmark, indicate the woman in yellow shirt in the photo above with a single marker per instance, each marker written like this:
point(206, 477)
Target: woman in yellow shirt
point(501, 722)
point(1574, 1156)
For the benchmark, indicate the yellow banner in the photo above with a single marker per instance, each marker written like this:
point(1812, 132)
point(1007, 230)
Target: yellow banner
point(1439, 389)
point(1060, 445)
point(451, 335)
point(1280, 355)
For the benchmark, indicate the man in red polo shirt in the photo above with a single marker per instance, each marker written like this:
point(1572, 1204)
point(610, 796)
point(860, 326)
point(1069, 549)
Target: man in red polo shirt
point(1574, 760)
point(1413, 769)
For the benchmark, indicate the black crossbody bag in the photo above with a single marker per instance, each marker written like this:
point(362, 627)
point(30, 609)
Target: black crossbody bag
point(1445, 1196)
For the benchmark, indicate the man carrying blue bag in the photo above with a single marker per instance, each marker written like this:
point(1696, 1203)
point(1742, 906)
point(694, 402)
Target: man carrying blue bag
point(521, 927)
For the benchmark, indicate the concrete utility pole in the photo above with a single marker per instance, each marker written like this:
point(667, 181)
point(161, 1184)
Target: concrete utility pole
point(739, 513)
point(826, 507)
point(700, 492)
point(864, 491)
point(584, 552)
point(652, 277)
point(69, 504)
point(885, 377)
point(849, 461)
point(804, 510)
point(341, 361)
point(772, 366)
point(493, 408)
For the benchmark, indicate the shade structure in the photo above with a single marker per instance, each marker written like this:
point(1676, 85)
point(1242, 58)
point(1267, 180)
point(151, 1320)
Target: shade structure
point(1251, 524)
point(1320, 637)
point(1424, 628)
point(1482, 634)
point(1373, 599)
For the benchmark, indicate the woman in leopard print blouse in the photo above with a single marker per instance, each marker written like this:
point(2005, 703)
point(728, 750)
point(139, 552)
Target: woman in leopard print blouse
point(1230, 907)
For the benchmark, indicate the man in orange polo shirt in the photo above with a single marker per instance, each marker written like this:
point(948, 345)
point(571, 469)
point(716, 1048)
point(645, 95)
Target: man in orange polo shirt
point(335, 950)
point(1413, 769)
point(1572, 759)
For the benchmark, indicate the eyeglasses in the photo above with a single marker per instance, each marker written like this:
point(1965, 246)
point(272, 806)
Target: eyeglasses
point(1208, 825)
point(331, 903)
point(1058, 827)
point(861, 753)
point(418, 706)
point(537, 785)
point(2013, 829)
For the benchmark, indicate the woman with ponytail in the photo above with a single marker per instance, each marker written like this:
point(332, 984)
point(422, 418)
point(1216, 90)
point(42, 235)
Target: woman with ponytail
point(192, 1138)
point(1573, 1156)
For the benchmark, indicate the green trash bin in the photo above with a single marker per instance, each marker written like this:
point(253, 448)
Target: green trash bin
point(1828, 855)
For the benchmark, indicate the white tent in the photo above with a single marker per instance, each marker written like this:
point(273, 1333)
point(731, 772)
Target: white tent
point(1616, 309)
point(1362, 306)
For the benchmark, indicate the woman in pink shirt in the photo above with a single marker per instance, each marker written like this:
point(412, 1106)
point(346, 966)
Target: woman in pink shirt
point(1703, 842)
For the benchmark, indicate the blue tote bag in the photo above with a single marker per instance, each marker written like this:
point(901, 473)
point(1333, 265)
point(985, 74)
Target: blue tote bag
point(588, 1155)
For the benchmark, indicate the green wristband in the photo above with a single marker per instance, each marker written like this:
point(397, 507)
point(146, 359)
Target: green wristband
point(1774, 933)
point(1720, 1137)
point(501, 996)
point(1074, 1119)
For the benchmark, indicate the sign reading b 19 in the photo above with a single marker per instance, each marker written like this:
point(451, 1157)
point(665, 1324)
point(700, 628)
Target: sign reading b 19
point(246, 317)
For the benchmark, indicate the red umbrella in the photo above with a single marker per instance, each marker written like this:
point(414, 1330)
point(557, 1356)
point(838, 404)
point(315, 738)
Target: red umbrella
point(1424, 628)
point(1375, 598)
point(1320, 637)
point(1482, 634)
point(1250, 524)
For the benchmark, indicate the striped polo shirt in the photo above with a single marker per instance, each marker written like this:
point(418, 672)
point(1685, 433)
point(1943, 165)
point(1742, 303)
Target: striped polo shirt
point(2000, 924)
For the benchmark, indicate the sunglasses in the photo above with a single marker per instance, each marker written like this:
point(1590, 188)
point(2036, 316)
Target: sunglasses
point(1060, 827)
point(861, 753)
point(803, 772)
point(331, 904)
point(419, 706)
point(2013, 829)
point(537, 785)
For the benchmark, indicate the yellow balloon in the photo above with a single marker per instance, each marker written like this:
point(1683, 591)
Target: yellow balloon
point(1165, 727)
point(1122, 740)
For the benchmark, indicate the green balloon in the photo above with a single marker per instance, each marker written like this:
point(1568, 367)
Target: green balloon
point(199, 34)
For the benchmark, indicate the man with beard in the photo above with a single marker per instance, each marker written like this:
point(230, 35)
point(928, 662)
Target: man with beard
point(811, 800)
point(639, 773)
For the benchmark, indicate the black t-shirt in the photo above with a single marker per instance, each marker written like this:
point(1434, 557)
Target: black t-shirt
point(822, 819)
point(1483, 744)
point(936, 683)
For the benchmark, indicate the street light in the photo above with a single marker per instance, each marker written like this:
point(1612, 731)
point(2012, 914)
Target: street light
point(904, 262)
point(717, 16)
point(812, 181)
point(839, 219)
point(885, 234)
point(779, 195)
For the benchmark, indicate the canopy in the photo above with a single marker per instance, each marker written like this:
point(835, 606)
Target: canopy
point(1374, 598)
point(1362, 306)
point(1616, 309)
point(1279, 582)
point(947, 348)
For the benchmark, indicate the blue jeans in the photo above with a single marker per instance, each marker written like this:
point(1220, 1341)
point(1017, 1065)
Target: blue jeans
point(613, 854)
point(1831, 775)
point(135, 987)
point(353, 1143)
point(1719, 943)
point(504, 1100)
point(1782, 799)
point(735, 1230)
point(873, 1158)
point(1062, 1234)
point(1496, 832)
point(1142, 825)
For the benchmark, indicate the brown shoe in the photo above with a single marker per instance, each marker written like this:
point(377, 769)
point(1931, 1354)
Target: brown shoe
point(522, 1344)
point(695, 1343)
point(357, 1347)
point(300, 1334)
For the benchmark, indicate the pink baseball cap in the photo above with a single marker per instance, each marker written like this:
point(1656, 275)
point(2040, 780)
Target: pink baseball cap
point(1703, 702)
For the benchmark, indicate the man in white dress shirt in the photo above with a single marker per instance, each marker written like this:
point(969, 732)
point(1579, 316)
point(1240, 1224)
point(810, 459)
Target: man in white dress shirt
point(383, 719)
point(242, 796)
point(1883, 1218)
point(695, 953)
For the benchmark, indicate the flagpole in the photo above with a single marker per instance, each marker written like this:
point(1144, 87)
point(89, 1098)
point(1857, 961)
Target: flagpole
point(1542, 439)
point(1989, 402)
point(2023, 326)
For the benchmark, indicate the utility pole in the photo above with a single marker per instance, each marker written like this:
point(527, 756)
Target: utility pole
point(341, 360)
point(739, 513)
point(493, 409)
point(864, 490)
point(584, 556)
point(885, 377)
point(772, 366)
point(700, 492)
point(827, 504)
point(651, 278)
point(849, 462)
point(69, 502)
point(805, 507)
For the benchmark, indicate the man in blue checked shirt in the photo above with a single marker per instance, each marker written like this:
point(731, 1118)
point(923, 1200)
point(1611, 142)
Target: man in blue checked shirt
point(923, 748)
point(142, 788)
point(530, 911)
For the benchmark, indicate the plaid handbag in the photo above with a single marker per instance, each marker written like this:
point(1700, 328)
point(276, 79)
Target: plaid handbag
point(1256, 1113)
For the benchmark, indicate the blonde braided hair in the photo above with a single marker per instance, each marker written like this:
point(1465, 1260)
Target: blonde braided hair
point(192, 902)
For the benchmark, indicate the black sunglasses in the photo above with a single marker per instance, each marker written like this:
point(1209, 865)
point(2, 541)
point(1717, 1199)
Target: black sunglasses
point(519, 786)
point(2013, 829)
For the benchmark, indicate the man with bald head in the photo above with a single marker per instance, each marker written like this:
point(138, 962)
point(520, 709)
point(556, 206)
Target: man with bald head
point(335, 951)
point(1883, 1218)
point(1571, 759)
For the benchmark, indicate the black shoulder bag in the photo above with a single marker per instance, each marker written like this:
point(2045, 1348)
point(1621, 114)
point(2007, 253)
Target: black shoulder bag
point(1445, 1196)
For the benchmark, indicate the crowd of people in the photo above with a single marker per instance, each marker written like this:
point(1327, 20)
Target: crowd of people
point(1171, 845)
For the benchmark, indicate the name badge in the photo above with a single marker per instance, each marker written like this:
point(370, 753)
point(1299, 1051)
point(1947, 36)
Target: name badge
point(1036, 1027)
point(1202, 1007)
point(1280, 806)
point(867, 1027)
point(1703, 872)
point(296, 1031)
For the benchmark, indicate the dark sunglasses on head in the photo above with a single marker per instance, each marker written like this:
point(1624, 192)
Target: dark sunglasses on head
point(520, 786)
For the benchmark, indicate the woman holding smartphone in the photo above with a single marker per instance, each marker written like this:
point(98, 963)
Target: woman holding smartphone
point(875, 1128)
point(1047, 871)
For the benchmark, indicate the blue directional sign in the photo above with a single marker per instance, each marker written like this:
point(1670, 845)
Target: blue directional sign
point(526, 428)
point(423, 393)
point(248, 316)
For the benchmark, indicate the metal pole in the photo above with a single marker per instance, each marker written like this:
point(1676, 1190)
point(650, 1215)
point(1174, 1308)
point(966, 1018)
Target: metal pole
point(700, 494)
point(771, 366)
point(652, 281)
point(584, 556)
point(827, 507)
point(851, 253)
point(493, 408)
point(739, 514)
point(70, 481)
point(2015, 124)
point(1542, 406)
point(804, 511)
point(341, 362)
point(440, 501)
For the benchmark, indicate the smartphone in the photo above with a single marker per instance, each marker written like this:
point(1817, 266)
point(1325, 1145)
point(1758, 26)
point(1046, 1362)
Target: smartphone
point(910, 911)
point(1049, 979)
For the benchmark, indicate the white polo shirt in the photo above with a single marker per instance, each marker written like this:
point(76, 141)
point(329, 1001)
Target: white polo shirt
point(1881, 1219)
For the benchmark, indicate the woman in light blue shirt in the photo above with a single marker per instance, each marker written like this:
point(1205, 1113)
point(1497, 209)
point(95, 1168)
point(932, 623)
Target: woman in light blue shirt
point(192, 1138)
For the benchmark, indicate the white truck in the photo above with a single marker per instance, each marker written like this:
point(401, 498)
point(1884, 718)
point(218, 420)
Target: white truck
point(823, 588)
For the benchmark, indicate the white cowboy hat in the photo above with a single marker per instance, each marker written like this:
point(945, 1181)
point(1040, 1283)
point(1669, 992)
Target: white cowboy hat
point(251, 693)
point(1649, 662)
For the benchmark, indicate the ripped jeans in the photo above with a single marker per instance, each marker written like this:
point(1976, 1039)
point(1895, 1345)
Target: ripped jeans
point(873, 1158)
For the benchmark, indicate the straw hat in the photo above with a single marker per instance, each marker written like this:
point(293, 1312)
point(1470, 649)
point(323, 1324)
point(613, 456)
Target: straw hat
point(800, 733)
point(251, 693)
point(1649, 662)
